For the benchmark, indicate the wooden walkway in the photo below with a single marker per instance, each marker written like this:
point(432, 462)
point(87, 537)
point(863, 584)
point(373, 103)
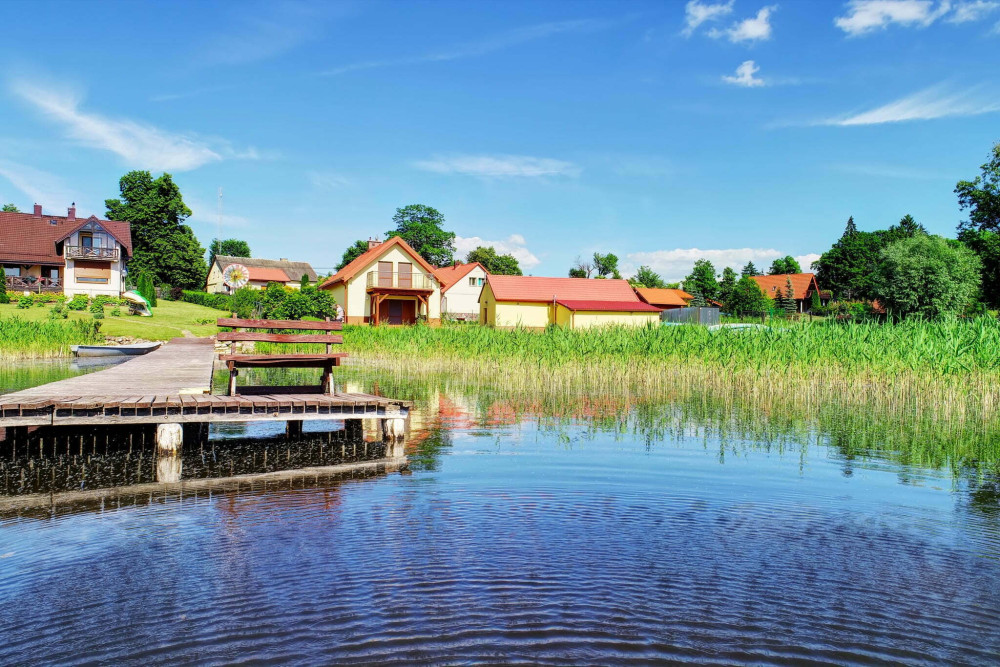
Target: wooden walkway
point(171, 385)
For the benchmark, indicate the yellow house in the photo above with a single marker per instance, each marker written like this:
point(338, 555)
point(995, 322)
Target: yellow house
point(261, 272)
point(390, 284)
point(578, 303)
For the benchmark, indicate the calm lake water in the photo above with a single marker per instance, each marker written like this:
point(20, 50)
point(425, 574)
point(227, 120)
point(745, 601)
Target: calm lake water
point(568, 529)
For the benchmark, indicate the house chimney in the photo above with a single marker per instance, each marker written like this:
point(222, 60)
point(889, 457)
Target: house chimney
point(38, 210)
point(71, 214)
point(372, 243)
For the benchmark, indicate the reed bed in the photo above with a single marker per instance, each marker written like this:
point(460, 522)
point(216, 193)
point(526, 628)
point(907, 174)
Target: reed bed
point(26, 339)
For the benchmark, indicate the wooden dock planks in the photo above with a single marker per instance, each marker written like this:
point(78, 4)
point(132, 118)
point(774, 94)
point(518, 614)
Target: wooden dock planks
point(163, 387)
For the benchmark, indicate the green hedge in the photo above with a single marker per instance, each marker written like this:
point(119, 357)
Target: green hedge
point(218, 301)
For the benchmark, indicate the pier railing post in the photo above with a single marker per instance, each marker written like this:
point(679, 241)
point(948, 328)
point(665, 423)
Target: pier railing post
point(169, 440)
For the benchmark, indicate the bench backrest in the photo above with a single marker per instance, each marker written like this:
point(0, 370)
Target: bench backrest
point(299, 325)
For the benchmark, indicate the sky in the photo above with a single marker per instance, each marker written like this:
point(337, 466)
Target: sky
point(660, 131)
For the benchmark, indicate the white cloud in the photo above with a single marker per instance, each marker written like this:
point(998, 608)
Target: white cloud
point(934, 102)
point(696, 13)
point(805, 261)
point(42, 187)
point(674, 264)
point(753, 29)
point(484, 46)
point(513, 245)
point(499, 166)
point(866, 16)
point(967, 12)
point(327, 180)
point(745, 75)
point(138, 144)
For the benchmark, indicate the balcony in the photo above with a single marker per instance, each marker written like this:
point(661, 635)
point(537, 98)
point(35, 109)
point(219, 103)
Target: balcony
point(378, 280)
point(32, 284)
point(87, 252)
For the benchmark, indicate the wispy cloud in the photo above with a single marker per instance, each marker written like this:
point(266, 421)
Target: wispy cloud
point(514, 244)
point(264, 30)
point(867, 16)
point(482, 47)
point(745, 75)
point(674, 264)
point(697, 13)
point(42, 187)
point(754, 29)
point(194, 92)
point(138, 144)
point(206, 216)
point(499, 166)
point(968, 12)
point(327, 180)
point(881, 170)
point(934, 102)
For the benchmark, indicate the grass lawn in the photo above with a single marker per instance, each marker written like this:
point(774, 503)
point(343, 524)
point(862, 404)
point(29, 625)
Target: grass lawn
point(170, 319)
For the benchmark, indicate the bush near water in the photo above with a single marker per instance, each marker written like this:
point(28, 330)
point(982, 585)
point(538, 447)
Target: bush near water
point(274, 302)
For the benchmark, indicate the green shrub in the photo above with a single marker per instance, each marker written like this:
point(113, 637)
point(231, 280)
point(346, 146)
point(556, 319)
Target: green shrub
point(176, 293)
point(58, 312)
point(78, 302)
point(144, 285)
point(116, 312)
point(4, 297)
point(100, 300)
point(97, 310)
point(219, 301)
point(25, 302)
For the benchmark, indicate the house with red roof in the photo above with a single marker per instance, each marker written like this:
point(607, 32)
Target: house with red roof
point(664, 298)
point(461, 285)
point(390, 283)
point(69, 254)
point(578, 303)
point(260, 272)
point(804, 285)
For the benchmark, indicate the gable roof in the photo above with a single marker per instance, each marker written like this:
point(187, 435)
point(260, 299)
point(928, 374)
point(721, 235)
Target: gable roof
point(27, 239)
point(663, 296)
point(802, 284)
point(449, 276)
point(267, 275)
point(293, 271)
point(615, 306)
point(545, 290)
point(369, 256)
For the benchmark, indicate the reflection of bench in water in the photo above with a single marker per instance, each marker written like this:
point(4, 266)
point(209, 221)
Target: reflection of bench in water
point(169, 388)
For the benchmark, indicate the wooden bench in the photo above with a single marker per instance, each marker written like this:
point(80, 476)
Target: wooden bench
point(326, 360)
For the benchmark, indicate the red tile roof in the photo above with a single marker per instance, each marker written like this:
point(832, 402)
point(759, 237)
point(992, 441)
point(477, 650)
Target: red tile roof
point(618, 306)
point(449, 276)
point(25, 239)
point(802, 284)
point(366, 258)
point(663, 297)
point(537, 289)
point(267, 274)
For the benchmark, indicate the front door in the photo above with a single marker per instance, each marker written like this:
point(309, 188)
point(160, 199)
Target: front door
point(398, 311)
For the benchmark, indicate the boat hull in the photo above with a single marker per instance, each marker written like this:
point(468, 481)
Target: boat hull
point(113, 350)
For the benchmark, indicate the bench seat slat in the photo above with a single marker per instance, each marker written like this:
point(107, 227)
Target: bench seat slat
point(283, 360)
point(280, 338)
point(279, 324)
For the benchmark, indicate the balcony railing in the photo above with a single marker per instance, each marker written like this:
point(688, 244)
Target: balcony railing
point(398, 280)
point(86, 252)
point(32, 284)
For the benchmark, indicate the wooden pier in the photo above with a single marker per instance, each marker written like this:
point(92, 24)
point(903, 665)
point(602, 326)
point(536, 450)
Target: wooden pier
point(171, 385)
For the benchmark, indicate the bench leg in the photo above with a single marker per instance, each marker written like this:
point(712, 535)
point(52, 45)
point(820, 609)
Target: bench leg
point(231, 390)
point(326, 382)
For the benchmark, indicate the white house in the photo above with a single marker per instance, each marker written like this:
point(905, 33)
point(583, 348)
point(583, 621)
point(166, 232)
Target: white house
point(46, 253)
point(461, 285)
point(262, 272)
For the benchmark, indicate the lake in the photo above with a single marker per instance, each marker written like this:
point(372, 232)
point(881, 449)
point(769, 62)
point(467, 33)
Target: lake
point(529, 527)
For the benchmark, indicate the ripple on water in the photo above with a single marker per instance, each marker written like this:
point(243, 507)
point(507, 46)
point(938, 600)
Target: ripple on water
point(598, 554)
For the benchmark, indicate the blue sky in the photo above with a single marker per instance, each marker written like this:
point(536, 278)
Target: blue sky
point(660, 131)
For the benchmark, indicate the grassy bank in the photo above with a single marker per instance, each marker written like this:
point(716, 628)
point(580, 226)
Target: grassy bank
point(170, 320)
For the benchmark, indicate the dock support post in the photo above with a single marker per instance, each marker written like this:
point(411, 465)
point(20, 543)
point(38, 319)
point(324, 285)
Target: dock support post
point(293, 429)
point(353, 429)
point(169, 438)
point(394, 436)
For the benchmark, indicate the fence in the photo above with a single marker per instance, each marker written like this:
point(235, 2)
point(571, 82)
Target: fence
point(706, 316)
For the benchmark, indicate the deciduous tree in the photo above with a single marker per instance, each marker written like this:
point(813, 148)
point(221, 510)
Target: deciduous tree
point(422, 227)
point(702, 278)
point(352, 253)
point(783, 265)
point(606, 265)
point(647, 277)
point(162, 244)
point(10, 208)
point(929, 276)
point(229, 248)
point(748, 298)
point(981, 196)
point(849, 268)
point(727, 285)
point(501, 265)
point(581, 269)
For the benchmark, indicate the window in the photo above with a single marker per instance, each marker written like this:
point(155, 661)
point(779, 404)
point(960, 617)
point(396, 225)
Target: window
point(91, 272)
point(82, 279)
point(472, 282)
point(12, 270)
